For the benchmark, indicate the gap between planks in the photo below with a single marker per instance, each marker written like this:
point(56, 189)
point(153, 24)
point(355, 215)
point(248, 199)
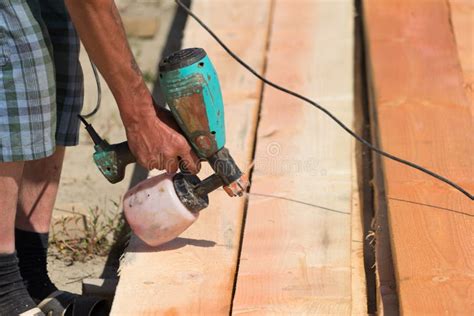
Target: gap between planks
point(250, 168)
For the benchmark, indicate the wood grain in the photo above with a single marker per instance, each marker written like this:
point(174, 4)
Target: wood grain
point(424, 115)
point(462, 20)
point(296, 251)
point(194, 274)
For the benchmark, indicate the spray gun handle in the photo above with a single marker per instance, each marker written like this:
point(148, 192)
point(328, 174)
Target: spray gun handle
point(112, 160)
point(124, 154)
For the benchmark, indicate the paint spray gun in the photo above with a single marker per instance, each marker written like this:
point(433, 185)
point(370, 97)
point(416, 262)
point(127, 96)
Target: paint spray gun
point(162, 207)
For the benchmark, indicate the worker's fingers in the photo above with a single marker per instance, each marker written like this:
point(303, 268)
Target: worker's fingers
point(171, 165)
point(151, 164)
point(196, 161)
point(156, 162)
point(184, 151)
point(191, 162)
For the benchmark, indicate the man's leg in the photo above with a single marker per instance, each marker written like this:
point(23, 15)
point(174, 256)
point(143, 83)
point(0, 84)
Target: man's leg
point(37, 195)
point(14, 298)
point(38, 190)
point(10, 178)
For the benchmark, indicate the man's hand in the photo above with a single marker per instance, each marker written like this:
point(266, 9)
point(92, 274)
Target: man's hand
point(157, 144)
point(154, 140)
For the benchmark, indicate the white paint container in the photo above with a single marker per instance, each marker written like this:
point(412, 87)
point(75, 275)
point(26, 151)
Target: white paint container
point(154, 212)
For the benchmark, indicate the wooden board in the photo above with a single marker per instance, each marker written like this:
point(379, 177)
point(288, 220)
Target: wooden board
point(462, 19)
point(296, 252)
point(194, 274)
point(424, 115)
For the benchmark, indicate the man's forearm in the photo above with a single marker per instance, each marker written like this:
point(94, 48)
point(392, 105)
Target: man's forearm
point(152, 137)
point(100, 29)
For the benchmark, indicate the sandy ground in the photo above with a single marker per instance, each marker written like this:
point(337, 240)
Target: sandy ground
point(82, 186)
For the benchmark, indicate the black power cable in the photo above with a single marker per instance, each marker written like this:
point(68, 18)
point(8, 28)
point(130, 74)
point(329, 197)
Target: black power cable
point(99, 92)
point(325, 111)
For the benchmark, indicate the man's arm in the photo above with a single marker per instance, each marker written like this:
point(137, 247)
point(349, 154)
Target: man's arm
point(154, 141)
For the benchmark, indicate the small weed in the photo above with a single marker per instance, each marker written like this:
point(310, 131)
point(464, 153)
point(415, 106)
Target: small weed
point(80, 237)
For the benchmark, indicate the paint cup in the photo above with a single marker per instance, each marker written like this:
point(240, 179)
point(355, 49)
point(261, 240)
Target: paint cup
point(154, 212)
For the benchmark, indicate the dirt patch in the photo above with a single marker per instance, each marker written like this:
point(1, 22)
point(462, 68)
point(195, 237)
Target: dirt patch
point(69, 277)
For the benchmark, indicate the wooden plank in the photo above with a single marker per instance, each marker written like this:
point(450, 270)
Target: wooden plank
point(462, 19)
point(424, 115)
point(296, 251)
point(194, 274)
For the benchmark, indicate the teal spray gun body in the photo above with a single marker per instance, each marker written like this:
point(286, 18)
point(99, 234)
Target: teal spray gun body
point(191, 87)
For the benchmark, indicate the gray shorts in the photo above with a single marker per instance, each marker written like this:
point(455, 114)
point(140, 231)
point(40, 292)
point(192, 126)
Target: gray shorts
point(41, 81)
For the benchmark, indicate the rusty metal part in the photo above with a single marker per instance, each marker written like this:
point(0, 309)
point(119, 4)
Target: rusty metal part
point(204, 143)
point(224, 165)
point(238, 187)
point(192, 118)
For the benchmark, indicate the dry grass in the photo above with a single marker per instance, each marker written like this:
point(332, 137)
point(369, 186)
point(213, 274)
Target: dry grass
point(79, 237)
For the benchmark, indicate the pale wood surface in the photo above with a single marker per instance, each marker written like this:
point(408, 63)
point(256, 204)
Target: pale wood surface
point(462, 19)
point(424, 115)
point(194, 274)
point(296, 254)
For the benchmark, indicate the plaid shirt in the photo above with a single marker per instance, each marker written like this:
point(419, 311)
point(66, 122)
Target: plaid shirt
point(40, 95)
